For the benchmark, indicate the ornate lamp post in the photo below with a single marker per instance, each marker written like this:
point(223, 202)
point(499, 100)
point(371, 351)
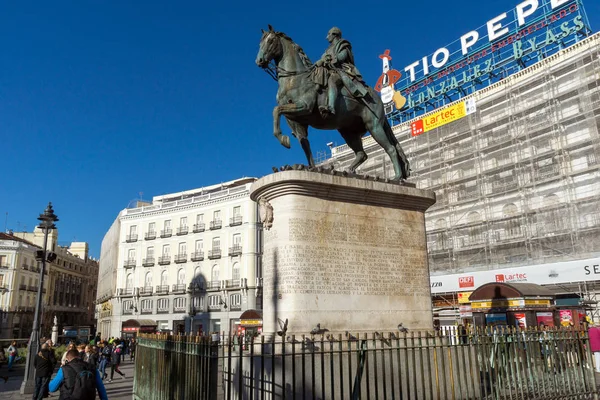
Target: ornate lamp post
point(47, 220)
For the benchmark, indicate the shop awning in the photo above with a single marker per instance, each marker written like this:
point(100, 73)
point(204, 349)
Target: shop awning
point(251, 318)
point(500, 290)
point(135, 325)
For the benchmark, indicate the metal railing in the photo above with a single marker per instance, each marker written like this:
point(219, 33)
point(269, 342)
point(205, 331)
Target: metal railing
point(151, 235)
point(145, 291)
point(234, 221)
point(164, 260)
point(235, 250)
point(166, 233)
point(198, 256)
point(148, 262)
point(125, 292)
point(182, 230)
point(216, 224)
point(214, 253)
point(130, 263)
point(180, 258)
point(485, 364)
point(179, 288)
point(162, 289)
point(199, 227)
point(131, 238)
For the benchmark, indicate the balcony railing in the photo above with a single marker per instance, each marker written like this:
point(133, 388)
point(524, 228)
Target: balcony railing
point(180, 258)
point(216, 224)
point(166, 233)
point(179, 288)
point(162, 311)
point(214, 253)
point(25, 267)
point(178, 308)
point(129, 263)
point(199, 227)
point(182, 230)
point(148, 262)
point(235, 250)
point(3, 287)
point(32, 288)
point(151, 235)
point(127, 311)
point(23, 286)
point(195, 287)
point(4, 266)
point(198, 256)
point(131, 238)
point(234, 221)
point(231, 283)
point(162, 289)
point(164, 260)
point(147, 310)
point(125, 292)
point(145, 291)
point(235, 307)
point(213, 285)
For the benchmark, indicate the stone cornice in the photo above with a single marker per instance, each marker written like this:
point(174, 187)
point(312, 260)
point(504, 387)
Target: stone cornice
point(336, 187)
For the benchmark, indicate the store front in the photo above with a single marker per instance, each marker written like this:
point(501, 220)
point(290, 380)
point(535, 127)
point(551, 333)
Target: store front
point(250, 323)
point(522, 305)
point(132, 327)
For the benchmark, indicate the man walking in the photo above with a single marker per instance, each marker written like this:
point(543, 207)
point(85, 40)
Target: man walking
point(77, 380)
point(116, 361)
point(44, 366)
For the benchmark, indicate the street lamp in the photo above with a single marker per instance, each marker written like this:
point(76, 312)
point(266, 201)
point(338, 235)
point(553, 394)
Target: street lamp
point(47, 220)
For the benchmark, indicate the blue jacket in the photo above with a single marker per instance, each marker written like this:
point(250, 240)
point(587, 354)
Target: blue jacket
point(59, 378)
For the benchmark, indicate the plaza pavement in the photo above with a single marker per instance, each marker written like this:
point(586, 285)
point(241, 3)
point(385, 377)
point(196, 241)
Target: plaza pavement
point(118, 389)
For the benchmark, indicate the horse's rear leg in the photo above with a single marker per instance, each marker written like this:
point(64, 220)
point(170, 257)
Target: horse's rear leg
point(354, 141)
point(301, 132)
point(377, 128)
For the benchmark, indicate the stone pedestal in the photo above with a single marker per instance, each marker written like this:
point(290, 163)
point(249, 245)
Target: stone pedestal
point(346, 253)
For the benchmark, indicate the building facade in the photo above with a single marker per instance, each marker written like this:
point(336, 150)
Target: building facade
point(69, 284)
point(517, 181)
point(188, 262)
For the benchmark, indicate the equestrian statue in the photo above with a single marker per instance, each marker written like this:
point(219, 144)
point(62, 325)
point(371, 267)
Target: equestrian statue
point(329, 94)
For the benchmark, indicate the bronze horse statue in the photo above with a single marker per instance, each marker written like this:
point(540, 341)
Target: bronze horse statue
point(299, 96)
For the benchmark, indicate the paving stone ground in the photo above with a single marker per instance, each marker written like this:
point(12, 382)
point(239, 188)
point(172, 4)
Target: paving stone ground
point(119, 389)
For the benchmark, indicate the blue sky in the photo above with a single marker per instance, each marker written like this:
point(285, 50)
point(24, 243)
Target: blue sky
point(101, 100)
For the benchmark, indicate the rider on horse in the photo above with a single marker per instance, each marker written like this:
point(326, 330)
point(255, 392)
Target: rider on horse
point(336, 68)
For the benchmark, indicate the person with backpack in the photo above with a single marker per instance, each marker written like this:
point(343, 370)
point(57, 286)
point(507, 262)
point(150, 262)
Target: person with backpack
point(43, 362)
point(116, 361)
point(77, 380)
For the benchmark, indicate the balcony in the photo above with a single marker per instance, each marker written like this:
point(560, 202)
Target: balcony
point(232, 283)
point(131, 238)
point(182, 230)
point(235, 307)
point(214, 254)
point(125, 292)
point(162, 311)
point(195, 287)
point(166, 233)
point(127, 311)
point(235, 250)
point(151, 235)
point(25, 267)
point(32, 288)
point(147, 311)
point(216, 224)
point(22, 286)
point(198, 256)
point(145, 291)
point(4, 266)
point(178, 309)
point(129, 263)
point(199, 227)
point(213, 285)
point(180, 258)
point(162, 289)
point(148, 262)
point(164, 260)
point(3, 288)
point(235, 221)
point(179, 288)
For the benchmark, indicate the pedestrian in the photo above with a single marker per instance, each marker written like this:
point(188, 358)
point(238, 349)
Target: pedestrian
point(77, 380)
point(91, 356)
point(81, 350)
point(53, 361)
point(70, 347)
point(106, 355)
point(132, 347)
point(594, 333)
point(12, 354)
point(44, 367)
point(116, 361)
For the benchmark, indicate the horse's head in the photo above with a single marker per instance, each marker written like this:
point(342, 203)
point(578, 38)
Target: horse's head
point(270, 48)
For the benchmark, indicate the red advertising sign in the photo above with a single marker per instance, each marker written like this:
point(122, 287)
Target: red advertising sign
point(520, 319)
point(545, 318)
point(566, 317)
point(500, 278)
point(417, 127)
point(466, 282)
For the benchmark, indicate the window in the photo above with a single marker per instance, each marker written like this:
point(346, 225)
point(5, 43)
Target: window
point(199, 218)
point(4, 261)
point(214, 273)
point(146, 305)
point(199, 245)
point(1, 280)
point(133, 230)
point(127, 306)
point(179, 303)
point(214, 301)
point(131, 255)
point(237, 211)
point(129, 281)
point(150, 252)
point(181, 276)
point(148, 279)
point(152, 227)
point(166, 250)
point(235, 271)
point(167, 224)
point(164, 278)
point(216, 243)
point(183, 222)
point(217, 215)
point(237, 240)
point(198, 303)
point(182, 248)
point(162, 305)
point(235, 300)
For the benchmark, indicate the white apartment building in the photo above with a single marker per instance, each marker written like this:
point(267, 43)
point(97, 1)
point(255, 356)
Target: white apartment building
point(188, 262)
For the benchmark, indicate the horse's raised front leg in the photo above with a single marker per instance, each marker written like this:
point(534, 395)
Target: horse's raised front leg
point(289, 110)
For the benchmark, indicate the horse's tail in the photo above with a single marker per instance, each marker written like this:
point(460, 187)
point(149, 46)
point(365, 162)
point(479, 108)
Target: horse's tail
point(404, 163)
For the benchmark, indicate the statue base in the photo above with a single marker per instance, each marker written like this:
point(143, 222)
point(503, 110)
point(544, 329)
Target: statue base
point(343, 254)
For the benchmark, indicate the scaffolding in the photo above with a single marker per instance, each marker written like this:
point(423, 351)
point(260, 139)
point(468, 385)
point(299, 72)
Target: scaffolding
point(517, 182)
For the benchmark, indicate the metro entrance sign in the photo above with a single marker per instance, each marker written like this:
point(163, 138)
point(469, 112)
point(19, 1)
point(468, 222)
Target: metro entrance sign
point(506, 44)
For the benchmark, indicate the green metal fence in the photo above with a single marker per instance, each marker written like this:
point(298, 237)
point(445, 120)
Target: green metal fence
point(481, 364)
